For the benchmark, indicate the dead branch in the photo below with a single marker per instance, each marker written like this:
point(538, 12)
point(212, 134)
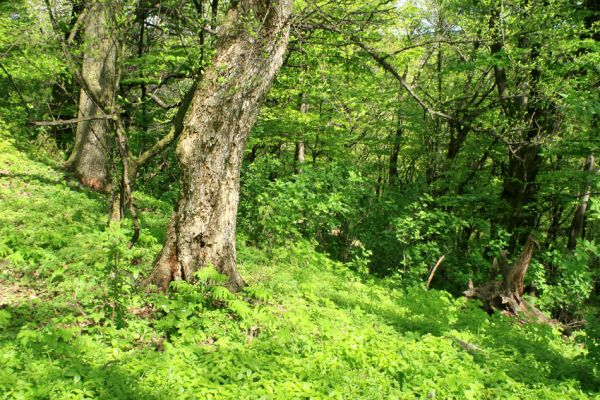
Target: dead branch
point(70, 121)
point(435, 267)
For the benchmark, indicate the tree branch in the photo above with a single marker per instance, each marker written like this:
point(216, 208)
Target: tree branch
point(381, 60)
point(161, 103)
point(19, 93)
point(174, 132)
point(71, 121)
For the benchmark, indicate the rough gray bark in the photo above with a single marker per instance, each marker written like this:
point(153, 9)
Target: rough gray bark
point(249, 52)
point(89, 159)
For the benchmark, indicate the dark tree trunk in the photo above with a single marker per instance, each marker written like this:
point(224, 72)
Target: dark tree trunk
point(527, 113)
point(201, 232)
point(456, 140)
point(519, 191)
point(89, 159)
point(555, 222)
point(395, 153)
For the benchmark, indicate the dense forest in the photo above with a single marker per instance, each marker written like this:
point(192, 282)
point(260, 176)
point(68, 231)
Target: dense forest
point(278, 199)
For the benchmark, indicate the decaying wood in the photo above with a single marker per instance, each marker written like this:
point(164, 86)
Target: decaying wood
point(507, 295)
point(435, 267)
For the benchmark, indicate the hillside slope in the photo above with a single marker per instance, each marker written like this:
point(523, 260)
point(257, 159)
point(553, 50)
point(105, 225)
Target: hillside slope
point(75, 323)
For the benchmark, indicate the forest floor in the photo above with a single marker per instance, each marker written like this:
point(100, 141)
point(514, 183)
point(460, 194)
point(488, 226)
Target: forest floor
point(75, 323)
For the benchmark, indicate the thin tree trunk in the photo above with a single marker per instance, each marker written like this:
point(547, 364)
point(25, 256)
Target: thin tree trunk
point(395, 153)
point(143, 89)
point(555, 222)
point(577, 225)
point(300, 146)
point(250, 49)
point(214, 10)
point(90, 157)
point(64, 92)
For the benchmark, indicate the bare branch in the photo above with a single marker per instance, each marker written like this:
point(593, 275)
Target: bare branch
point(70, 121)
point(437, 264)
point(381, 60)
point(161, 103)
point(76, 26)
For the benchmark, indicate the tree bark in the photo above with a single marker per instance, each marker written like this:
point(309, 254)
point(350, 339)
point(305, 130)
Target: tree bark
point(519, 191)
point(577, 225)
point(300, 145)
point(249, 52)
point(527, 113)
point(64, 91)
point(90, 157)
point(395, 152)
point(507, 295)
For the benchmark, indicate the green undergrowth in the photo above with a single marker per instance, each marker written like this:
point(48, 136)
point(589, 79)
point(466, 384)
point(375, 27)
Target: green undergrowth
point(76, 322)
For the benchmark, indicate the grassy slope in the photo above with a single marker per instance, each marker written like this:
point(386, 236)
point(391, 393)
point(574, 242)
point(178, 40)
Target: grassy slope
point(305, 328)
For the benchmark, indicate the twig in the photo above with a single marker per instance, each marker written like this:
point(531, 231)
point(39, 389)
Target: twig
point(470, 347)
point(127, 194)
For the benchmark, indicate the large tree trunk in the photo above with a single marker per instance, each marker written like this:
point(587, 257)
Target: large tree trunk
point(519, 191)
point(201, 232)
point(90, 157)
point(529, 115)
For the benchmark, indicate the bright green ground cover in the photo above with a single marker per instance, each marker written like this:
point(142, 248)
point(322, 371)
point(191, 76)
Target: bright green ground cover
point(74, 324)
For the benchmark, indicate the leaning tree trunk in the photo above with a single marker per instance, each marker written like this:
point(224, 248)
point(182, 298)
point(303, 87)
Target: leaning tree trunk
point(201, 232)
point(89, 159)
point(576, 231)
